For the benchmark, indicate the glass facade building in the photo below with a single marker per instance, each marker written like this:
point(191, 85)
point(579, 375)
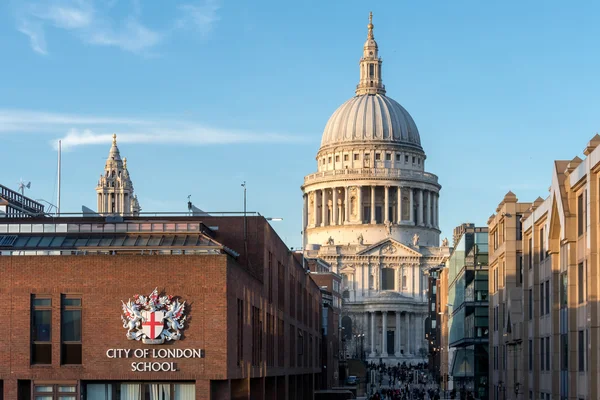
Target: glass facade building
point(468, 328)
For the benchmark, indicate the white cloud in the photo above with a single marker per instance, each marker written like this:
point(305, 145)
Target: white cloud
point(89, 24)
point(76, 130)
point(36, 35)
point(133, 37)
point(201, 16)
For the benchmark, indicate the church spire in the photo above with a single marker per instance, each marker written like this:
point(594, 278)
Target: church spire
point(115, 189)
point(370, 66)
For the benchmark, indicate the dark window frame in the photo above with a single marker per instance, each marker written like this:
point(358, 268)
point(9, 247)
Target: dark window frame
point(38, 343)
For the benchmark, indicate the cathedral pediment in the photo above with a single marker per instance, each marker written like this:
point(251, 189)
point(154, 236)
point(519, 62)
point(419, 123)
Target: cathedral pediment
point(389, 247)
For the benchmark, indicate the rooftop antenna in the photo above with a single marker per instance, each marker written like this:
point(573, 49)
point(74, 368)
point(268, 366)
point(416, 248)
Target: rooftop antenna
point(23, 185)
point(189, 203)
point(58, 180)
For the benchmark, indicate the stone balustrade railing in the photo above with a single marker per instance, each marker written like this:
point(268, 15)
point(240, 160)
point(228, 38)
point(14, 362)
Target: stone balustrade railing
point(391, 173)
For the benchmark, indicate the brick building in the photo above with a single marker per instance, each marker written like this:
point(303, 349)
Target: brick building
point(252, 318)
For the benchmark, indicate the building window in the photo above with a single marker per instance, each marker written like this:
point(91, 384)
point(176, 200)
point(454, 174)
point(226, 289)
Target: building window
point(414, 159)
point(356, 156)
point(377, 156)
point(547, 297)
point(564, 352)
point(580, 214)
point(530, 305)
point(418, 161)
point(387, 279)
point(519, 226)
point(580, 283)
point(530, 253)
point(542, 363)
point(397, 157)
point(41, 328)
point(345, 157)
point(240, 331)
point(270, 277)
point(548, 353)
point(70, 330)
point(520, 266)
point(337, 158)
point(530, 351)
point(388, 156)
point(542, 299)
point(406, 159)
point(542, 245)
point(581, 351)
point(256, 336)
point(563, 290)
point(52, 392)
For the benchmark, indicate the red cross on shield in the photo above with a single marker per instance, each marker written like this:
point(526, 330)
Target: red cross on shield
point(153, 323)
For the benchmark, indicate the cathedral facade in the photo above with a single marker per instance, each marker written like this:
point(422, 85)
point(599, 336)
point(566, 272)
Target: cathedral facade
point(371, 211)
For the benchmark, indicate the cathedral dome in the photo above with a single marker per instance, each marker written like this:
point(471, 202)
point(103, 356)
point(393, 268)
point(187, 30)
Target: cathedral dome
point(371, 117)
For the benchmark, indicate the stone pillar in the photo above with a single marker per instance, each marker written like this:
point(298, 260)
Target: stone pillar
point(411, 337)
point(323, 207)
point(384, 334)
point(373, 204)
point(408, 334)
point(372, 334)
point(360, 205)
point(399, 205)
point(304, 212)
point(420, 212)
point(398, 335)
point(346, 205)
point(411, 208)
point(436, 214)
point(429, 209)
point(386, 204)
point(316, 208)
point(419, 336)
point(334, 207)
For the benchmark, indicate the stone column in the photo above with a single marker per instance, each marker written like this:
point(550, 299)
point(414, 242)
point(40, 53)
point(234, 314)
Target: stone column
point(411, 328)
point(334, 207)
point(373, 204)
point(419, 335)
point(420, 213)
point(360, 205)
point(399, 219)
point(346, 205)
point(323, 207)
point(429, 209)
point(304, 212)
point(316, 208)
point(372, 334)
point(398, 335)
point(436, 214)
point(408, 333)
point(384, 334)
point(411, 207)
point(386, 204)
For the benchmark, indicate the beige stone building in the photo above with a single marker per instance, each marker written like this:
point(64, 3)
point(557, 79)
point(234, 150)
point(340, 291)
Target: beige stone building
point(553, 323)
point(505, 295)
point(371, 211)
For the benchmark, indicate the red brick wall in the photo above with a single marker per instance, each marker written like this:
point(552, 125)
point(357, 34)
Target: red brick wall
point(102, 282)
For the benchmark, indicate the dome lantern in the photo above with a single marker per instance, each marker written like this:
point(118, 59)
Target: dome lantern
point(370, 66)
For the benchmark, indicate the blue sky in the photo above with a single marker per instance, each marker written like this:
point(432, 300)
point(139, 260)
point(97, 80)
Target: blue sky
point(206, 94)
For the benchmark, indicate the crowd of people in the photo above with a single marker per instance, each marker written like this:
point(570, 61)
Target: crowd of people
point(403, 382)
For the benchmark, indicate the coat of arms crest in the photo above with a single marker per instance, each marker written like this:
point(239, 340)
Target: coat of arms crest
point(153, 319)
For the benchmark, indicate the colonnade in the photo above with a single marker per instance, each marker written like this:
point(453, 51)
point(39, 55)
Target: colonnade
point(408, 331)
point(346, 205)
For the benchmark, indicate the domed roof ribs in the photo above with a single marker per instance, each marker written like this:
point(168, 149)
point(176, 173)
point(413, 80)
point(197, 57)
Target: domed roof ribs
point(370, 66)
